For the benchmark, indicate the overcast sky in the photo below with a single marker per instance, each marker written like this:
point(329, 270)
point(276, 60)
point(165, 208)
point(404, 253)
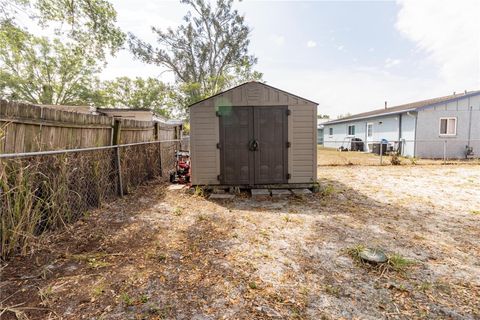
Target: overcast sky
point(349, 56)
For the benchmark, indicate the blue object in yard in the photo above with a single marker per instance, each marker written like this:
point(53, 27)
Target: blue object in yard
point(384, 141)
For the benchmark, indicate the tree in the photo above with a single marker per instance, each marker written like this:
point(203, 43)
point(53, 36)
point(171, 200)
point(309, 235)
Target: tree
point(323, 116)
point(90, 23)
point(340, 116)
point(125, 92)
point(37, 70)
point(207, 54)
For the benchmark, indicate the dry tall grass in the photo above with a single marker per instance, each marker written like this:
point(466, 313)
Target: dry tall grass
point(46, 192)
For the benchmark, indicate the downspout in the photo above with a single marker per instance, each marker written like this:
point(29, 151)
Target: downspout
point(415, 136)
point(400, 133)
point(469, 122)
point(365, 145)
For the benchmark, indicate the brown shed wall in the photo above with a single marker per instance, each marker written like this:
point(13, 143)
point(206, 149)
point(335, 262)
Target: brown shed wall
point(302, 128)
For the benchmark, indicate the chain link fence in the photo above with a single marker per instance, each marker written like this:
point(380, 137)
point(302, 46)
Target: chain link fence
point(352, 151)
point(46, 190)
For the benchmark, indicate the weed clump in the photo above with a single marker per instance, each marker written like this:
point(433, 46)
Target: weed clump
point(354, 252)
point(252, 285)
point(332, 290)
point(199, 191)
point(395, 159)
point(399, 263)
point(178, 211)
point(327, 190)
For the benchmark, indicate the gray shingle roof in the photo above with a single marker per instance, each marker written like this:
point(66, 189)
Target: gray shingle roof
point(404, 107)
point(246, 83)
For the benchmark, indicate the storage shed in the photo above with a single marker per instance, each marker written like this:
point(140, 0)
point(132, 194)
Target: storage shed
point(254, 135)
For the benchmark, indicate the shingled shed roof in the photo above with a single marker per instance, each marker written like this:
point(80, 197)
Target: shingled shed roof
point(253, 83)
point(413, 106)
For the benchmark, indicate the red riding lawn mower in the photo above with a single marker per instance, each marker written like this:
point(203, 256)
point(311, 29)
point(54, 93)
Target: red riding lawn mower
point(182, 168)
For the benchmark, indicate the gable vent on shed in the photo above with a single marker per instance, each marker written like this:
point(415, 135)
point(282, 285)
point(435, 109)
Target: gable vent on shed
point(253, 94)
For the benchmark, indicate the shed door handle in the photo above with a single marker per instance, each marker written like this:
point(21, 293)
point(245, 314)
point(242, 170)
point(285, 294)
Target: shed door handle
point(253, 145)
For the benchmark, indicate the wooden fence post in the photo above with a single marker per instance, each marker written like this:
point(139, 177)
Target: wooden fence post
point(117, 128)
point(156, 136)
point(155, 131)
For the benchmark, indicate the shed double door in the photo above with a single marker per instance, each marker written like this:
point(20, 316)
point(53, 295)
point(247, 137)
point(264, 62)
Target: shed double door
point(253, 145)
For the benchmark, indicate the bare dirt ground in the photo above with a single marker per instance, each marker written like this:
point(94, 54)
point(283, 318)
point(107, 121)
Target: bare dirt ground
point(166, 254)
point(333, 157)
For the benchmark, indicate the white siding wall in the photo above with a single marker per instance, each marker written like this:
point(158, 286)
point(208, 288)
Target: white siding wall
point(428, 128)
point(383, 128)
point(408, 134)
point(423, 127)
point(340, 133)
point(475, 127)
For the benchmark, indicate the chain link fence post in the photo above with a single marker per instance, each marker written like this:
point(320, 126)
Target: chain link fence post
point(117, 128)
point(119, 171)
point(381, 153)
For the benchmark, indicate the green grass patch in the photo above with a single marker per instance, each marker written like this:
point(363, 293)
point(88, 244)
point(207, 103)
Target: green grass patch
point(252, 285)
point(399, 263)
point(354, 252)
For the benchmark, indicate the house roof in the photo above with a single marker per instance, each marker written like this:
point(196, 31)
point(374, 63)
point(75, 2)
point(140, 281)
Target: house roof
point(246, 83)
point(413, 106)
point(156, 116)
point(78, 109)
point(123, 109)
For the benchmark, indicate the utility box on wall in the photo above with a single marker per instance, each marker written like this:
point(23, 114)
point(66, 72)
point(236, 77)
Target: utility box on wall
point(252, 135)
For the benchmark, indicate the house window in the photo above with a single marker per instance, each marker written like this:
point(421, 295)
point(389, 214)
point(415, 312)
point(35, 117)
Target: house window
point(370, 130)
point(351, 130)
point(330, 131)
point(448, 126)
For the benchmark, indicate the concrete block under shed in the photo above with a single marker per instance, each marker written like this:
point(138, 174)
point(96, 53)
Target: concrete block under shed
point(221, 196)
point(218, 191)
point(260, 194)
point(280, 193)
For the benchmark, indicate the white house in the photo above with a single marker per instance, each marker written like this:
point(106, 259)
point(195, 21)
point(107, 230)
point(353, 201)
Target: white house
point(424, 129)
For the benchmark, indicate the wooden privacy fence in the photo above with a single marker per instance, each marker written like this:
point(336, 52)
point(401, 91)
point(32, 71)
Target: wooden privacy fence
point(29, 128)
